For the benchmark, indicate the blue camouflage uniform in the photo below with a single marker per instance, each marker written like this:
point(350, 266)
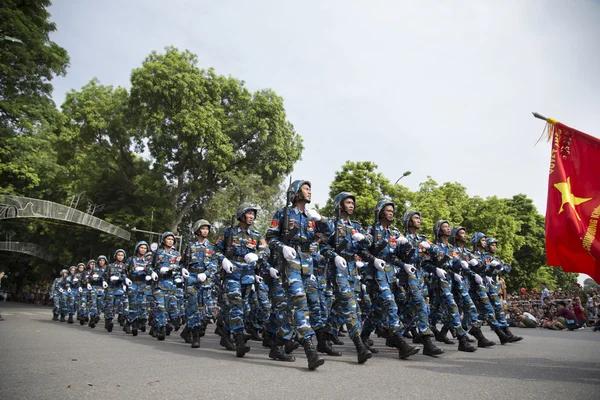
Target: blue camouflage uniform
point(96, 296)
point(115, 278)
point(139, 270)
point(166, 265)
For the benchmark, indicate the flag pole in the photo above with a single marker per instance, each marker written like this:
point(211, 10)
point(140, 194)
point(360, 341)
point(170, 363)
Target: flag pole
point(539, 116)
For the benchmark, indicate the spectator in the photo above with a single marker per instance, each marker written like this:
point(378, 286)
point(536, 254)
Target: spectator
point(566, 316)
point(579, 314)
point(545, 292)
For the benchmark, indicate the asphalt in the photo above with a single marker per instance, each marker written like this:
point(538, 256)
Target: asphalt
point(43, 359)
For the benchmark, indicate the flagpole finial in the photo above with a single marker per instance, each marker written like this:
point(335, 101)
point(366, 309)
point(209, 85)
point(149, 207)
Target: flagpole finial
point(539, 116)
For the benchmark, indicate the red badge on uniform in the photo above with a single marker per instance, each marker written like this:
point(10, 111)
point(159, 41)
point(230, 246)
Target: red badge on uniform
point(274, 223)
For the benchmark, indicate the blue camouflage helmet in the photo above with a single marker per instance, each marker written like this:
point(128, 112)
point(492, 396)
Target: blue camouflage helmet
point(339, 199)
point(166, 235)
point(63, 272)
point(199, 224)
point(408, 216)
point(296, 185)
point(141, 242)
point(506, 268)
point(490, 240)
point(82, 264)
point(72, 267)
point(102, 258)
point(120, 251)
point(454, 232)
point(437, 227)
point(244, 208)
point(476, 237)
point(90, 261)
point(381, 204)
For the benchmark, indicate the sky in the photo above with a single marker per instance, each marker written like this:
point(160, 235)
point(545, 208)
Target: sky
point(441, 88)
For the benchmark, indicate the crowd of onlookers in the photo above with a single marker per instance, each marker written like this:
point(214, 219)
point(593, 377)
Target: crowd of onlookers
point(562, 309)
point(30, 294)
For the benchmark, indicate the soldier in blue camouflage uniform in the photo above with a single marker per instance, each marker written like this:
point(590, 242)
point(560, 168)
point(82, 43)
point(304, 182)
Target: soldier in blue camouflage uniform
point(247, 247)
point(139, 272)
point(84, 297)
point(61, 296)
point(442, 300)
point(347, 242)
point(166, 265)
point(295, 246)
point(381, 281)
point(200, 266)
point(73, 282)
point(418, 260)
point(115, 278)
point(96, 285)
point(494, 267)
point(478, 288)
point(464, 261)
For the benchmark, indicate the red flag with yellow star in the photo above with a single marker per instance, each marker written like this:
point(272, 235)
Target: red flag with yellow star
point(573, 207)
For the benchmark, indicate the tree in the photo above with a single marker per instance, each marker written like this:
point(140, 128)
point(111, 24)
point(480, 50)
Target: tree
point(199, 127)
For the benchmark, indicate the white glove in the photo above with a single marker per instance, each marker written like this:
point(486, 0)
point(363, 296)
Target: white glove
point(473, 262)
point(313, 215)
point(250, 258)
point(478, 279)
point(402, 240)
point(458, 278)
point(89, 287)
point(139, 268)
point(358, 237)
point(125, 289)
point(164, 270)
point(128, 281)
point(360, 264)
point(424, 244)
point(410, 269)
point(288, 253)
point(464, 264)
point(185, 273)
point(489, 280)
point(60, 290)
point(104, 284)
point(340, 262)
point(154, 276)
point(440, 273)
point(312, 278)
point(379, 264)
point(364, 287)
point(258, 279)
point(69, 290)
point(80, 290)
point(494, 263)
point(148, 277)
point(114, 278)
point(201, 276)
point(274, 273)
point(75, 280)
point(227, 266)
point(95, 276)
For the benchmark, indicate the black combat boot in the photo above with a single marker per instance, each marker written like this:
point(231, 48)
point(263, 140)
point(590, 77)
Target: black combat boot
point(227, 342)
point(442, 336)
point(152, 332)
point(195, 337)
point(335, 340)
point(362, 352)
point(186, 334)
point(81, 322)
point(62, 318)
point(405, 350)
point(511, 337)
point(277, 352)
point(430, 349)
point(314, 358)
point(501, 335)
point(482, 341)
point(464, 345)
point(176, 324)
point(142, 325)
point(290, 345)
point(121, 320)
point(55, 317)
point(323, 344)
point(240, 345)
point(161, 333)
point(108, 324)
point(254, 334)
point(416, 336)
point(168, 329)
point(92, 323)
point(134, 328)
point(368, 343)
point(127, 327)
point(267, 339)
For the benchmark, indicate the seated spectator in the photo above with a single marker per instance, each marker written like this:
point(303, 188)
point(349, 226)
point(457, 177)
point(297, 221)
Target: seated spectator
point(579, 314)
point(521, 319)
point(566, 316)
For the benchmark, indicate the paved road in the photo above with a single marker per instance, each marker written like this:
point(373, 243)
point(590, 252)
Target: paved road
point(42, 359)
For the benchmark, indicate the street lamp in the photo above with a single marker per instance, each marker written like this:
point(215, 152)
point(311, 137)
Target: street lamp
point(407, 173)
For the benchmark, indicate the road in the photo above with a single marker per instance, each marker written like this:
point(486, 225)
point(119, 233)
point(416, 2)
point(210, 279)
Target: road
point(43, 359)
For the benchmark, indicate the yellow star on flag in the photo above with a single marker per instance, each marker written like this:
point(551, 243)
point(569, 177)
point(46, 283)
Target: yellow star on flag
point(568, 198)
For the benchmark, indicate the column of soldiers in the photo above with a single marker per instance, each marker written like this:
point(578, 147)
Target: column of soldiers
point(299, 284)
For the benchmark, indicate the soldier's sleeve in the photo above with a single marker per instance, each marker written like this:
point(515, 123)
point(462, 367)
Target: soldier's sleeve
point(263, 248)
point(220, 245)
point(273, 236)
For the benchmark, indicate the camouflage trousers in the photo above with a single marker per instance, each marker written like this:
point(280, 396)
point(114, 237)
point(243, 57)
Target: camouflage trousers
point(413, 308)
point(198, 297)
point(114, 300)
point(443, 306)
point(484, 306)
point(344, 309)
point(96, 299)
point(466, 304)
point(164, 300)
point(384, 310)
point(136, 295)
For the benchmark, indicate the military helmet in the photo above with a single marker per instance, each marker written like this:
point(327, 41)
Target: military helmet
point(82, 264)
point(199, 224)
point(506, 268)
point(63, 271)
point(120, 251)
point(381, 204)
point(166, 235)
point(454, 232)
point(296, 185)
point(437, 227)
point(408, 216)
point(91, 261)
point(141, 242)
point(244, 208)
point(102, 258)
point(72, 267)
point(339, 199)
point(476, 237)
point(491, 240)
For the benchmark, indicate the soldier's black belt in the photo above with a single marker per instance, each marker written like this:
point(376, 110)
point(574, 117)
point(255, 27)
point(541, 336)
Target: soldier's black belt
point(303, 247)
point(197, 270)
point(239, 259)
point(96, 281)
point(139, 278)
point(167, 274)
